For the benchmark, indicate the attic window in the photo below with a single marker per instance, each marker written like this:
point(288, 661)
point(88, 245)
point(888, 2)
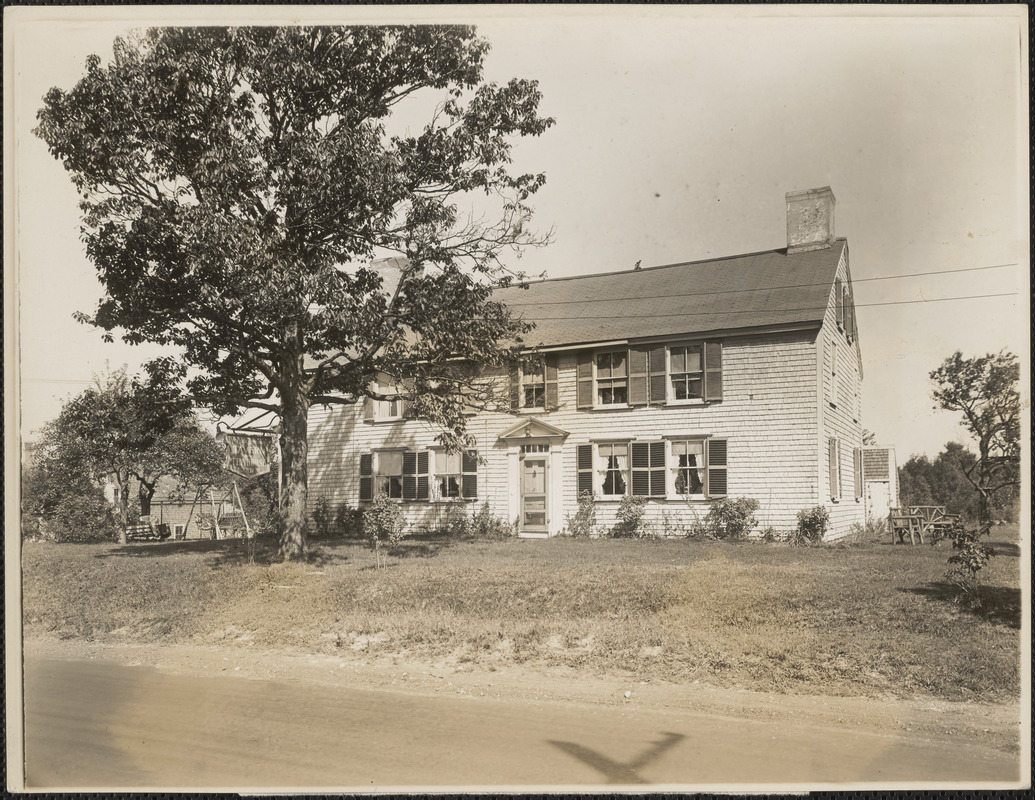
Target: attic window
point(533, 385)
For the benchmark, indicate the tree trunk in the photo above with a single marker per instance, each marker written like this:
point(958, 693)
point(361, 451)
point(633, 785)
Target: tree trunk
point(144, 494)
point(122, 502)
point(294, 446)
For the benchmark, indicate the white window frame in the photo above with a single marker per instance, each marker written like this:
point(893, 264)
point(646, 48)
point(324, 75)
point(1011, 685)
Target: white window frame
point(670, 393)
point(676, 469)
point(607, 450)
point(524, 383)
point(597, 380)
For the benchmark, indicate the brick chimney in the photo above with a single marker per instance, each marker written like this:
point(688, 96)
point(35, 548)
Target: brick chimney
point(810, 219)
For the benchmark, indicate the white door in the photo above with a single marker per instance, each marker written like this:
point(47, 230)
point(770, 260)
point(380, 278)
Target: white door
point(878, 500)
point(534, 496)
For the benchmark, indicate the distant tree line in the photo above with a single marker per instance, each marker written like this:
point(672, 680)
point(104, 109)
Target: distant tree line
point(942, 481)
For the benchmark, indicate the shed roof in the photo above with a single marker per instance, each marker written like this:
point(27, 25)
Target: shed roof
point(771, 288)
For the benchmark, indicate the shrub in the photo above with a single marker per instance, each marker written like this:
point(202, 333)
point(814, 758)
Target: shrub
point(812, 524)
point(321, 521)
point(383, 525)
point(486, 525)
point(584, 523)
point(349, 521)
point(969, 558)
point(457, 522)
point(630, 517)
point(731, 518)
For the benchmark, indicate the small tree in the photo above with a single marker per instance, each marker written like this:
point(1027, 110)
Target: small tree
point(384, 525)
point(129, 428)
point(984, 391)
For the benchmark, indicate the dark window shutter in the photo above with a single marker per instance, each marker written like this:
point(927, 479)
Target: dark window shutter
point(409, 463)
point(368, 409)
point(550, 367)
point(584, 380)
point(366, 480)
point(640, 468)
point(839, 302)
point(470, 485)
point(515, 387)
point(409, 487)
point(422, 462)
point(469, 461)
point(717, 467)
point(658, 379)
point(657, 469)
point(713, 370)
point(858, 472)
point(637, 376)
point(832, 464)
point(584, 467)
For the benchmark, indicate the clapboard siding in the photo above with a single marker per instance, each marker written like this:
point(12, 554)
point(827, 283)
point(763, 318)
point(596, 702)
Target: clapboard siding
point(767, 414)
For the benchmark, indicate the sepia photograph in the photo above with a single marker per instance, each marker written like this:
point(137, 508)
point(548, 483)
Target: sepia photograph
point(517, 398)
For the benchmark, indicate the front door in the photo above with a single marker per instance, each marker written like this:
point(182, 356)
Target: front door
point(534, 485)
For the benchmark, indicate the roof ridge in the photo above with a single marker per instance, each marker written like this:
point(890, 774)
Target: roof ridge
point(778, 250)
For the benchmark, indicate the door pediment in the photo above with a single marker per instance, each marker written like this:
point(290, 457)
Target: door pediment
point(533, 428)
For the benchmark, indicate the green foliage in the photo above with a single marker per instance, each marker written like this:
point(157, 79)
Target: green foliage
point(731, 518)
point(485, 525)
point(63, 505)
point(349, 521)
point(969, 557)
point(323, 518)
point(384, 525)
point(984, 391)
point(812, 524)
point(630, 518)
point(237, 183)
point(942, 482)
point(584, 523)
point(457, 523)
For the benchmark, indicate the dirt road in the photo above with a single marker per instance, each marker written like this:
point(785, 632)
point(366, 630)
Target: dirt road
point(127, 719)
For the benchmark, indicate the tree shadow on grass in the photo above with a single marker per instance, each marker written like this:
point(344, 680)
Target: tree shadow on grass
point(999, 604)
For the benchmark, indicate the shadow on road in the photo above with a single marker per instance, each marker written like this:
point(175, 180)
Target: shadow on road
point(617, 772)
point(999, 604)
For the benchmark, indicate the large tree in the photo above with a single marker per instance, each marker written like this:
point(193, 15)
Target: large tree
point(125, 430)
point(984, 391)
point(237, 183)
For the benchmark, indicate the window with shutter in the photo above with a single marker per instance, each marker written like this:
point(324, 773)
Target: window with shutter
point(638, 376)
point(613, 468)
point(717, 467)
point(584, 468)
point(658, 380)
point(686, 371)
point(533, 384)
point(713, 371)
point(612, 378)
point(839, 306)
point(648, 469)
point(552, 395)
point(469, 479)
point(415, 475)
point(834, 457)
point(366, 476)
point(858, 472)
point(584, 379)
point(515, 386)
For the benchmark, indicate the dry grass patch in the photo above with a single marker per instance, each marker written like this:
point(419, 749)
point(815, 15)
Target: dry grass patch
point(868, 619)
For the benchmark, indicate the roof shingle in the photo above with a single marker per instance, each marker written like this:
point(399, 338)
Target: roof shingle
point(771, 288)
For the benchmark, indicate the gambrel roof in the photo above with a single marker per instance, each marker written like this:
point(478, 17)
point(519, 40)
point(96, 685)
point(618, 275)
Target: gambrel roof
point(757, 290)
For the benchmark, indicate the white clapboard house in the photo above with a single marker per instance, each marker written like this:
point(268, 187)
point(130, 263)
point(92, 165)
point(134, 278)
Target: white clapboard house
point(684, 383)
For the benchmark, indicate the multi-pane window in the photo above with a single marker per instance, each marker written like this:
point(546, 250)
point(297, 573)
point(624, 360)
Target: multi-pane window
point(612, 378)
point(686, 372)
point(614, 468)
point(398, 474)
point(389, 408)
point(390, 473)
point(689, 465)
point(533, 385)
point(456, 474)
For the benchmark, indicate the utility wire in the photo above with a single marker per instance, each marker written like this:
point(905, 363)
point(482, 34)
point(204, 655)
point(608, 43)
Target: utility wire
point(759, 289)
point(776, 310)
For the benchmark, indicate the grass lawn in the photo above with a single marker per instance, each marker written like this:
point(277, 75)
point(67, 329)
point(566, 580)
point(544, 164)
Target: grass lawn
point(862, 619)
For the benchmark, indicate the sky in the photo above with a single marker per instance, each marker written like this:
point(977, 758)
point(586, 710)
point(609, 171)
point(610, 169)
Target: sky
point(679, 131)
